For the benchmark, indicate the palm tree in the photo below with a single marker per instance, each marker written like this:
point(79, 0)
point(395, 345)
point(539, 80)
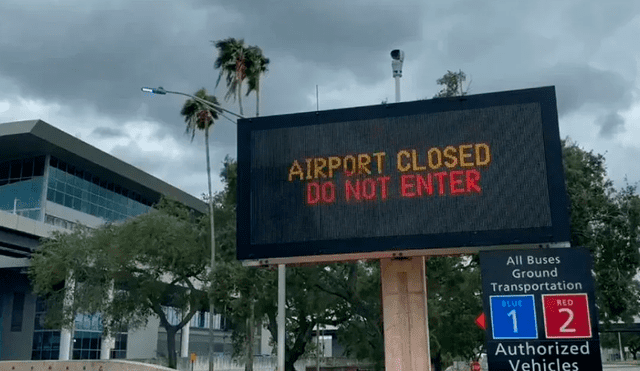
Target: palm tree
point(198, 116)
point(256, 64)
point(231, 62)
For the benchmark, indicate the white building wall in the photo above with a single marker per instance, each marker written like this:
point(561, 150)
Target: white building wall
point(143, 342)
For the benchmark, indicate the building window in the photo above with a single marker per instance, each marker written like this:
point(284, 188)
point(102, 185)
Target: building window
point(21, 170)
point(119, 351)
point(17, 311)
point(21, 184)
point(46, 342)
point(87, 338)
point(59, 222)
point(201, 320)
point(86, 345)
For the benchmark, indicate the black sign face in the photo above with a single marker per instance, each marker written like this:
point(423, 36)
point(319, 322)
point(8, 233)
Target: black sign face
point(541, 310)
point(479, 170)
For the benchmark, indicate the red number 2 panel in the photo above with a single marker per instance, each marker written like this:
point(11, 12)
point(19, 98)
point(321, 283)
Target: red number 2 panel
point(566, 316)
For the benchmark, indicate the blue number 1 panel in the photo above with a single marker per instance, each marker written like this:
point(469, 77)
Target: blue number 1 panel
point(513, 317)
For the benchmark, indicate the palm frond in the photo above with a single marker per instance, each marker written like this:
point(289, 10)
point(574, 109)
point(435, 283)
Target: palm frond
point(197, 115)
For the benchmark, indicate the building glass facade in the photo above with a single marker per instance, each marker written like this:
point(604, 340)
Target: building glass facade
point(82, 191)
point(21, 184)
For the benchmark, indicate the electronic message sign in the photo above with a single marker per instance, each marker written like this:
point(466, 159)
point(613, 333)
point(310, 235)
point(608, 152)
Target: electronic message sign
point(472, 171)
point(541, 307)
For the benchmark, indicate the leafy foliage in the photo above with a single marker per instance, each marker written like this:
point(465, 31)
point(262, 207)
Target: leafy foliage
point(231, 62)
point(453, 85)
point(454, 298)
point(634, 346)
point(257, 65)
point(237, 62)
point(197, 115)
point(250, 294)
point(607, 221)
point(359, 309)
point(127, 272)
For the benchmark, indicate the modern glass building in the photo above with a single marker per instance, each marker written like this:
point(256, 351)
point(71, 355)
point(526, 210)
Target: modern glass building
point(50, 180)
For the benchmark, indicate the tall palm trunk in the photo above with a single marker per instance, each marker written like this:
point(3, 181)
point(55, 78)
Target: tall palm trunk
point(258, 97)
point(240, 97)
point(206, 141)
point(213, 236)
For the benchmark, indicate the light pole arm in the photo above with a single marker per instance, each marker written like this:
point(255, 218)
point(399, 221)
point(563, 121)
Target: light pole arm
point(160, 90)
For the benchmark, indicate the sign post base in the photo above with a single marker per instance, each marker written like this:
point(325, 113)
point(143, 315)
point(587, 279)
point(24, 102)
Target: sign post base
point(404, 303)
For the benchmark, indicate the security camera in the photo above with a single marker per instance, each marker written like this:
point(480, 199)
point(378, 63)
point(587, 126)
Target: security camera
point(396, 64)
point(397, 54)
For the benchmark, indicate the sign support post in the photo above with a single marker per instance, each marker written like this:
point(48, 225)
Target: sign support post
point(404, 306)
point(282, 286)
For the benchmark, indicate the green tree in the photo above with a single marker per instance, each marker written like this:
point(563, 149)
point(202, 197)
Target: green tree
point(257, 65)
point(453, 83)
point(250, 294)
point(232, 63)
point(358, 312)
point(236, 287)
point(126, 272)
point(307, 307)
point(454, 298)
point(607, 221)
point(634, 346)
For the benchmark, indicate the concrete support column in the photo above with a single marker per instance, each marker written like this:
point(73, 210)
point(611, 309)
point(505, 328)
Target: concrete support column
point(404, 302)
point(108, 341)
point(184, 342)
point(66, 334)
point(184, 339)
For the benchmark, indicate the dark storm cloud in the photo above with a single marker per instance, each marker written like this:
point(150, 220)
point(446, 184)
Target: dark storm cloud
point(164, 166)
point(594, 21)
point(94, 56)
point(610, 124)
point(100, 54)
point(103, 132)
point(331, 34)
point(504, 45)
point(581, 84)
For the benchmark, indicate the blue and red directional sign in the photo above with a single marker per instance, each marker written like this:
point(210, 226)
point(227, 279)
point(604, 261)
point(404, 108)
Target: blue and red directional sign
point(541, 310)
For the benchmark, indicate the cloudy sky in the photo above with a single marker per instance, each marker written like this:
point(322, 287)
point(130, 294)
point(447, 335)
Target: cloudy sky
point(79, 66)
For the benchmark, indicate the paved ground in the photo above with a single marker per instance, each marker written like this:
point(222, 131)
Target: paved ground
point(620, 366)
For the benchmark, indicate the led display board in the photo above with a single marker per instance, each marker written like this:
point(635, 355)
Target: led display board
point(472, 171)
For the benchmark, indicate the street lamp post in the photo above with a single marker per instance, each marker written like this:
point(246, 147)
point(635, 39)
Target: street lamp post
point(160, 90)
